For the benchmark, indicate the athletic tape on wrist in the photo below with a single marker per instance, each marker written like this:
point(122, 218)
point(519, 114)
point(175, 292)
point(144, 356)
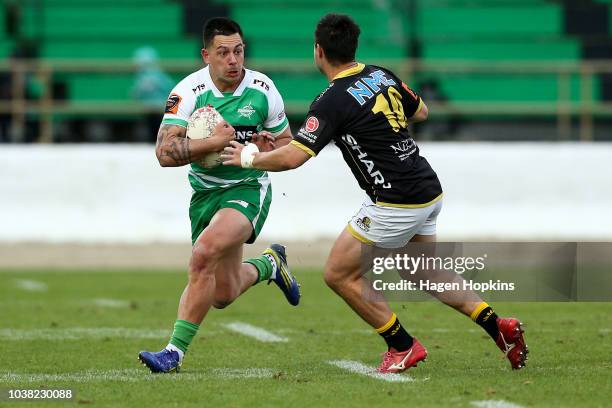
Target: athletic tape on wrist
point(248, 155)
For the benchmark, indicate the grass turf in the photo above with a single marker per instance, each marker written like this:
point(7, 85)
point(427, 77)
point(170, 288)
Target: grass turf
point(62, 337)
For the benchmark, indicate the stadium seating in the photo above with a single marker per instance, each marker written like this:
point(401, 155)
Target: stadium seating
point(6, 45)
point(493, 30)
point(285, 30)
point(497, 31)
point(81, 29)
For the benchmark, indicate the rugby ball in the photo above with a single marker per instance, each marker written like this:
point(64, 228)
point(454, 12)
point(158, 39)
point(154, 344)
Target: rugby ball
point(200, 126)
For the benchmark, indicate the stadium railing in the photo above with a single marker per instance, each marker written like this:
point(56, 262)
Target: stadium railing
point(586, 107)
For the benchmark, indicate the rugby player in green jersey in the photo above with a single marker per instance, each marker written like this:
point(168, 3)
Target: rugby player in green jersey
point(229, 205)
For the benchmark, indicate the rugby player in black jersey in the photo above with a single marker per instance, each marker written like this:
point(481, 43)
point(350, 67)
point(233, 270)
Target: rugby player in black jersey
point(365, 110)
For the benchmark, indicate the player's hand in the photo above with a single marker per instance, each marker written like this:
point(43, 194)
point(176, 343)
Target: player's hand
point(222, 134)
point(230, 156)
point(264, 140)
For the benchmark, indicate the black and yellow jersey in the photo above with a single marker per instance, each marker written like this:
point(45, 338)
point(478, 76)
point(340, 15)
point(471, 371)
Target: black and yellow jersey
point(365, 110)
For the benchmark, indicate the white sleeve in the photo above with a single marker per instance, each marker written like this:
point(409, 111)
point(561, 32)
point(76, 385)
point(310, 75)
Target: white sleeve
point(276, 121)
point(180, 105)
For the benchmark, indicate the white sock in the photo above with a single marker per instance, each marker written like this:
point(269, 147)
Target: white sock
point(274, 266)
point(172, 347)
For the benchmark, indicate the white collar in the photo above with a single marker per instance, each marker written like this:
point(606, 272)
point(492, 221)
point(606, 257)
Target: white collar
point(246, 80)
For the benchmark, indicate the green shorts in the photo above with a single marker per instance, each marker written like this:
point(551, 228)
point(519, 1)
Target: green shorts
point(252, 199)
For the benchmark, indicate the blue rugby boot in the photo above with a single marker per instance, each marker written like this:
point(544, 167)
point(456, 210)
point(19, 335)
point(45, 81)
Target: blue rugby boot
point(281, 275)
point(164, 361)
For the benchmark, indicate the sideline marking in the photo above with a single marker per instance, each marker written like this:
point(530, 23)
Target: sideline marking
point(137, 375)
point(255, 332)
point(31, 285)
point(357, 367)
point(112, 303)
point(77, 333)
point(495, 404)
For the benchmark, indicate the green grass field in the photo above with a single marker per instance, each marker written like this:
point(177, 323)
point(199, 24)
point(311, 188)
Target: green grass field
point(83, 330)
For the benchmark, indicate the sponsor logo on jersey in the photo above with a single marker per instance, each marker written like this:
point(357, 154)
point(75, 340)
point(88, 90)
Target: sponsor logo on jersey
point(172, 104)
point(311, 129)
point(404, 148)
point(312, 124)
point(366, 87)
point(262, 84)
point(198, 88)
point(245, 133)
point(375, 174)
point(364, 223)
point(307, 136)
point(281, 116)
point(246, 111)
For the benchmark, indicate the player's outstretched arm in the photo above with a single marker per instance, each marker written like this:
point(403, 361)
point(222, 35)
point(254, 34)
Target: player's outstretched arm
point(285, 158)
point(267, 142)
point(284, 138)
point(174, 149)
point(421, 114)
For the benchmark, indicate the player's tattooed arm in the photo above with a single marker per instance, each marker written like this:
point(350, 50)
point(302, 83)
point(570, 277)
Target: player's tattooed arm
point(172, 147)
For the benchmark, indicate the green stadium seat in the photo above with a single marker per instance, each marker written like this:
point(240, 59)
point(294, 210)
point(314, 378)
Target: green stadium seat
point(564, 49)
point(288, 33)
point(184, 48)
point(492, 21)
point(299, 87)
point(259, 22)
point(98, 3)
point(303, 50)
point(6, 48)
point(162, 21)
point(331, 4)
point(101, 87)
point(507, 88)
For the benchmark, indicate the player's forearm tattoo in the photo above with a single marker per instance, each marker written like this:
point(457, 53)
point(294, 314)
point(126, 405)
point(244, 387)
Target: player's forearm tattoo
point(172, 149)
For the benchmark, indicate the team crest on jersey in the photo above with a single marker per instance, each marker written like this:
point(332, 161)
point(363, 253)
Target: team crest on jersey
point(312, 124)
point(172, 104)
point(364, 223)
point(246, 111)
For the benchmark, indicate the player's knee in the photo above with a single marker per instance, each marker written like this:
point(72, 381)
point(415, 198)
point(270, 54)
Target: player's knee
point(222, 303)
point(202, 255)
point(332, 278)
point(224, 297)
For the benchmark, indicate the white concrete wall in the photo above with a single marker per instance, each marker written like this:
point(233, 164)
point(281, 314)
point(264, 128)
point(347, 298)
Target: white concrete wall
point(118, 193)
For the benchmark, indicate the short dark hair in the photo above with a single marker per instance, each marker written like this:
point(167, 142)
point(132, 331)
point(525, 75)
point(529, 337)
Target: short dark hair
point(338, 34)
point(219, 26)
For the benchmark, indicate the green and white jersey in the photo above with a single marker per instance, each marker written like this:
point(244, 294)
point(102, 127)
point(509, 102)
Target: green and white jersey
point(254, 106)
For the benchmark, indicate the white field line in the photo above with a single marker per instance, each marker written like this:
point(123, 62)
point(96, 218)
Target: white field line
point(255, 332)
point(357, 367)
point(78, 333)
point(111, 303)
point(30, 285)
point(494, 404)
point(231, 373)
point(136, 375)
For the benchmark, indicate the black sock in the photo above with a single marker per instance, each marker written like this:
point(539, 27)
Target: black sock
point(395, 336)
point(487, 319)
